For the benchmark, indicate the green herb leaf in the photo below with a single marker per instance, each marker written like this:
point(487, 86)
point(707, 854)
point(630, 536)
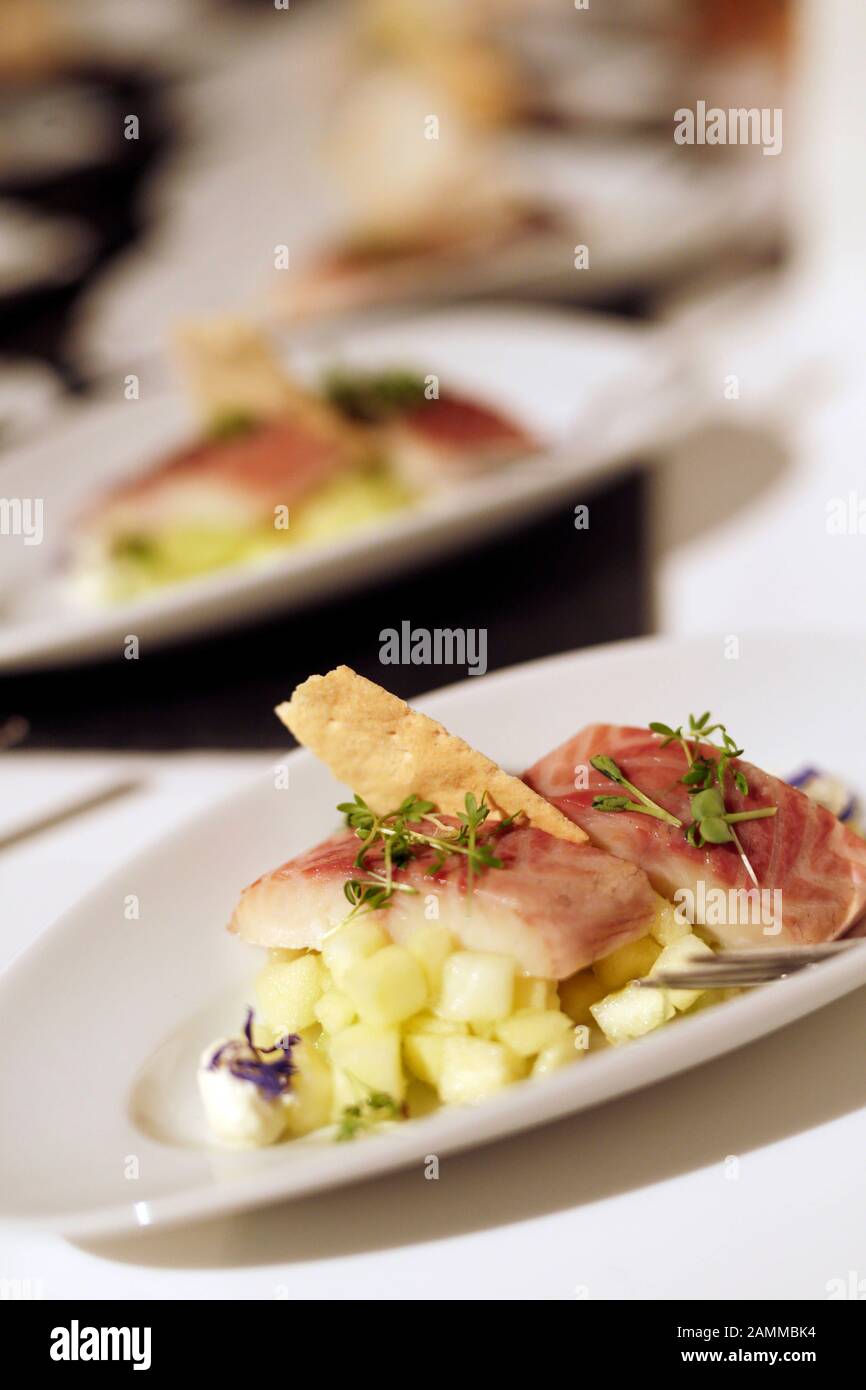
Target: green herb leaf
point(375, 1107)
point(715, 830)
point(373, 397)
point(608, 768)
point(231, 424)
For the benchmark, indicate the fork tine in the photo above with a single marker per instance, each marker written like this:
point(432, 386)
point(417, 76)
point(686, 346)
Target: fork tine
point(772, 954)
point(686, 979)
point(740, 969)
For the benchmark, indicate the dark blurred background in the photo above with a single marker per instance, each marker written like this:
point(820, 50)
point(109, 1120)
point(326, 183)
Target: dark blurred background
point(247, 119)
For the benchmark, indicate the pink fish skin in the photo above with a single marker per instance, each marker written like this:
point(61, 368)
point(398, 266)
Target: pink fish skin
point(235, 480)
point(815, 864)
point(554, 906)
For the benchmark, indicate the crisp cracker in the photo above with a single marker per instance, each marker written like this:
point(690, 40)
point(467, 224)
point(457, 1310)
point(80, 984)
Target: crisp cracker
point(384, 750)
point(228, 366)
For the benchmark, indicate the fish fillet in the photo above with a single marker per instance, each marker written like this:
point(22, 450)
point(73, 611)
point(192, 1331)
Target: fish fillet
point(803, 854)
point(554, 905)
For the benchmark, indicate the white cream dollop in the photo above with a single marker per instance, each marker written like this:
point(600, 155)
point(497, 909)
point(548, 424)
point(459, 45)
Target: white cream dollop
point(237, 1111)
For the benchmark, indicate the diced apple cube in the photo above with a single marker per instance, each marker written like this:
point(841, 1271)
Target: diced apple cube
point(677, 956)
point(530, 993)
point(629, 962)
point(422, 1044)
point(311, 1093)
point(632, 1012)
point(335, 1011)
point(560, 1053)
point(423, 1056)
point(264, 1034)
point(529, 1031)
point(579, 993)
point(669, 924)
point(484, 1029)
point(386, 987)
point(431, 946)
point(287, 992)
point(352, 942)
point(473, 1069)
point(345, 1090)
point(426, 1022)
point(477, 986)
point(283, 954)
point(371, 1056)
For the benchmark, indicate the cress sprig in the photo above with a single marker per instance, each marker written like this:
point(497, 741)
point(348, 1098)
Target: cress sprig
point(608, 768)
point(712, 823)
point(377, 1106)
point(398, 834)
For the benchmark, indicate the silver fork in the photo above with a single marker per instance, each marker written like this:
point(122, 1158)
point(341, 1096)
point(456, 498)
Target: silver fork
point(741, 969)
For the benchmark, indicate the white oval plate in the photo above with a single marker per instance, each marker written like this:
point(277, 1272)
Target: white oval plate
point(101, 1022)
point(589, 390)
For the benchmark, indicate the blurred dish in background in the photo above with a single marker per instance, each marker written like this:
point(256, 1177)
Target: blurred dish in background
point(38, 249)
point(53, 130)
point(279, 464)
point(550, 402)
point(441, 149)
point(554, 132)
point(29, 394)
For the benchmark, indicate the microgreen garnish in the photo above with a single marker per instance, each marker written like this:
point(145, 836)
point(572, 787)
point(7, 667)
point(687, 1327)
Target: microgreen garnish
point(231, 424)
point(396, 836)
point(376, 1106)
point(269, 1069)
point(711, 822)
point(608, 768)
point(372, 397)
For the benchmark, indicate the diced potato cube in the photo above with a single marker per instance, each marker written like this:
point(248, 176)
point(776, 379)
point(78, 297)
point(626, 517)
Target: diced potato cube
point(386, 987)
point(529, 1031)
point(477, 986)
point(560, 1053)
point(530, 993)
point(667, 926)
point(629, 962)
point(431, 946)
point(335, 1011)
point(632, 1012)
point(577, 994)
point(353, 941)
point(677, 956)
point(473, 1068)
point(370, 1055)
point(312, 1088)
point(287, 992)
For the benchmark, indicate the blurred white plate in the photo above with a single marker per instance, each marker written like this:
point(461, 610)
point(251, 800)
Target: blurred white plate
point(38, 248)
point(29, 393)
point(591, 391)
point(102, 1021)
